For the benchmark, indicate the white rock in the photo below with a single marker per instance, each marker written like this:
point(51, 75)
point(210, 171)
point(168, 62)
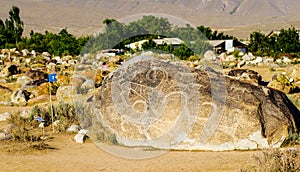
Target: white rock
point(259, 140)
point(83, 131)
point(58, 59)
point(41, 125)
point(248, 57)
point(286, 60)
point(79, 138)
point(259, 59)
point(88, 84)
point(25, 113)
point(23, 80)
point(4, 116)
point(56, 123)
point(33, 53)
point(246, 144)
point(25, 52)
point(74, 128)
point(4, 136)
point(278, 61)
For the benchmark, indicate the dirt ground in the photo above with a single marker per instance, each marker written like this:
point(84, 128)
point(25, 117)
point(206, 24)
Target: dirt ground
point(66, 155)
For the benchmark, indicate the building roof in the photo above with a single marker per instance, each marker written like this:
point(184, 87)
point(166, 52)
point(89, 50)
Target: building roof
point(172, 41)
point(215, 43)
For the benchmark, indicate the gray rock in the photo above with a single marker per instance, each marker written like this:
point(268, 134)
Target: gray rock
point(73, 128)
point(209, 56)
point(229, 115)
point(88, 84)
point(64, 92)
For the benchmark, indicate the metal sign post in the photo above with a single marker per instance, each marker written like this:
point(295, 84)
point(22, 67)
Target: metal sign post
point(51, 78)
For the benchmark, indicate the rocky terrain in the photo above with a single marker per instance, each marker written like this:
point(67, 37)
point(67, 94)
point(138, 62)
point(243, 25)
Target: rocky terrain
point(235, 110)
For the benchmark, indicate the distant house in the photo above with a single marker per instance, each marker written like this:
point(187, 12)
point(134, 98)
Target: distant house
point(175, 42)
point(220, 46)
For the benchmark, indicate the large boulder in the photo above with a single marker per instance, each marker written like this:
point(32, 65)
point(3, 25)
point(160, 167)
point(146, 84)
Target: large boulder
point(153, 103)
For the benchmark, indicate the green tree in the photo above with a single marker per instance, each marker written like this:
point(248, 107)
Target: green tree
point(12, 29)
point(288, 40)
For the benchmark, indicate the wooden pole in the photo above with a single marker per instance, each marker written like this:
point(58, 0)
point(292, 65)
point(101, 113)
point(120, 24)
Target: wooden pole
point(51, 109)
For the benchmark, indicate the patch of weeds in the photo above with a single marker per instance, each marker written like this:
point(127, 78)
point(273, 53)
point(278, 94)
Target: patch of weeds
point(292, 139)
point(10, 79)
point(272, 69)
point(275, 160)
point(41, 146)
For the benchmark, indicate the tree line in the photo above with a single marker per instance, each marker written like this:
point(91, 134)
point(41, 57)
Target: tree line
point(117, 35)
point(286, 42)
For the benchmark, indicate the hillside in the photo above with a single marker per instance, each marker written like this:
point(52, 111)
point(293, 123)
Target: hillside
point(85, 17)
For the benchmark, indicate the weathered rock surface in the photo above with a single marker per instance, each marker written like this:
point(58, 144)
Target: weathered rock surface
point(153, 103)
point(246, 75)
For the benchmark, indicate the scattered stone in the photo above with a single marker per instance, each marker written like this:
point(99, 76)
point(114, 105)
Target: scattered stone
point(296, 73)
point(8, 128)
point(20, 97)
point(88, 84)
point(65, 92)
point(24, 80)
point(4, 116)
point(209, 56)
point(4, 136)
point(248, 57)
point(79, 138)
point(73, 128)
point(286, 60)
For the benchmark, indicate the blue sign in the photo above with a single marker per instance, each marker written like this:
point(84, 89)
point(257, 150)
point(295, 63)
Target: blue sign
point(52, 77)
